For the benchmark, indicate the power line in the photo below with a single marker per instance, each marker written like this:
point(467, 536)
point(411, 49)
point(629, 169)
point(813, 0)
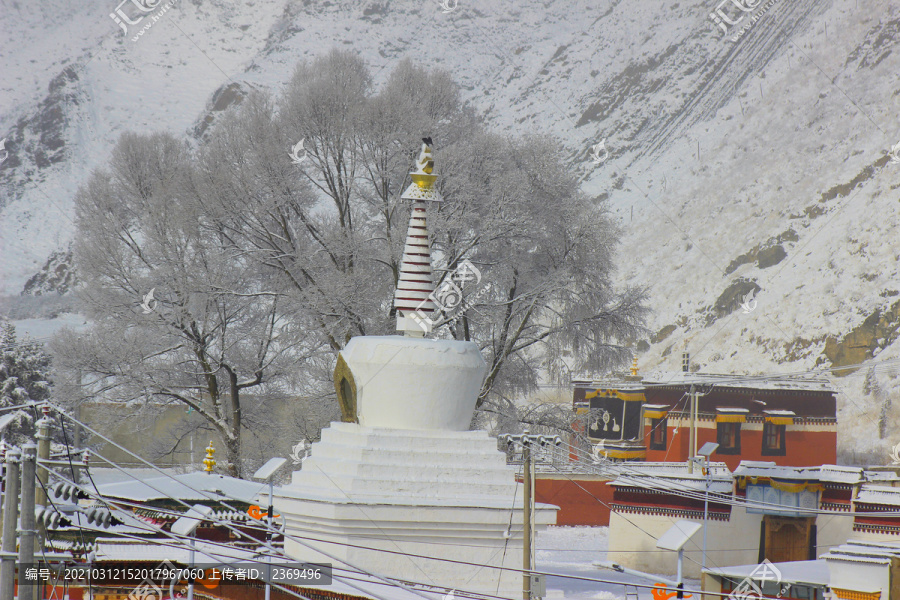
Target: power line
point(261, 528)
point(301, 539)
point(221, 522)
point(183, 539)
point(680, 489)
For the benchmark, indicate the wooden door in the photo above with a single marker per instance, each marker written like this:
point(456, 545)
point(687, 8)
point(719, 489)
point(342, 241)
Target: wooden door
point(787, 538)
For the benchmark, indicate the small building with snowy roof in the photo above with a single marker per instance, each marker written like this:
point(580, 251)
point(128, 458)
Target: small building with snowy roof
point(761, 511)
point(649, 497)
point(861, 570)
point(146, 506)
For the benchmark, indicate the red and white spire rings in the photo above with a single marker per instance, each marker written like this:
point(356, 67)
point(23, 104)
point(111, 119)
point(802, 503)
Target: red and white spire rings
point(415, 286)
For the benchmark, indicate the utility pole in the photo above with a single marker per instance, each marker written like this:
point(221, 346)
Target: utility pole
point(76, 471)
point(10, 517)
point(43, 472)
point(694, 400)
point(77, 434)
point(692, 440)
point(43, 477)
point(528, 442)
point(526, 514)
point(26, 541)
point(705, 516)
point(3, 449)
point(707, 449)
point(692, 433)
point(267, 473)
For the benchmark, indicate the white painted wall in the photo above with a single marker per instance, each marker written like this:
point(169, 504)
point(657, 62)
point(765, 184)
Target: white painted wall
point(415, 383)
point(632, 543)
point(735, 542)
point(442, 494)
point(859, 576)
point(833, 530)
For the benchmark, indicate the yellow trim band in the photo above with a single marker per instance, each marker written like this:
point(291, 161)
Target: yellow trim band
point(731, 418)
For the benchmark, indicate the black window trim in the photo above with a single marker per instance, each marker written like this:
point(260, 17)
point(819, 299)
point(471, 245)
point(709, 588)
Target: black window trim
point(722, 449)
point(781, 431)
point(663, 426)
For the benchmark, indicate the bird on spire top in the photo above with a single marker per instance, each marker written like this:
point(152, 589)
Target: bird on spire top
point(425, 161)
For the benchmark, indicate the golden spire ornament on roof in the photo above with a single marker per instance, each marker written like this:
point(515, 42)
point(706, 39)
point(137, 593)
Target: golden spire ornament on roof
point(413, 299)
point(209, 462)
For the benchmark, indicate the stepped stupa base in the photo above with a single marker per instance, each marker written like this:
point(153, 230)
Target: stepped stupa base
point(370, 495)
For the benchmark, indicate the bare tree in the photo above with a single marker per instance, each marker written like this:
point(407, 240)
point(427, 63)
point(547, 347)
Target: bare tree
point(211, 332)
point(547, 304)
point(260, 262)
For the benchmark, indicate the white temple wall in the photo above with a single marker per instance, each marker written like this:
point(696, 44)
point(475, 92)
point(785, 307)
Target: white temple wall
point(834, 530)
point(632, 542)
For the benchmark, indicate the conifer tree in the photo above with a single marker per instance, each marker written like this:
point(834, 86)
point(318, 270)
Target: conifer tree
point(24, 379)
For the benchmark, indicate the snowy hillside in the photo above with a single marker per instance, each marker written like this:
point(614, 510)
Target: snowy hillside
point(752, 167)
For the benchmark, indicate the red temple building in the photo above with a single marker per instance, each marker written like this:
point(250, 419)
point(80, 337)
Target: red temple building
point(785, 422)
point(789, 422)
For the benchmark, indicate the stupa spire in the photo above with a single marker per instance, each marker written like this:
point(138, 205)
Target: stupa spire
point(415, 286)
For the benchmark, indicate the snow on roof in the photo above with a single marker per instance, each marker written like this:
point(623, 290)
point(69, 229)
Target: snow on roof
point(669, 476)
point(729, 409)
point(881, 476)
point(657, 406)
point(878, 494)
point(802, 571)
point(609, 384)
point(870, 552)
point(784, 413)
point(716, 486)
point(109, 475)
point(754, 382)
point(748, 468)
point(671, 469)
point(197, 485)
point(840, 474)
point(825, 473)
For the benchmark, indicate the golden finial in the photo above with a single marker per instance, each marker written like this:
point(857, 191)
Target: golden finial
point(423, 175)
point(634, 368)
point(209, 462)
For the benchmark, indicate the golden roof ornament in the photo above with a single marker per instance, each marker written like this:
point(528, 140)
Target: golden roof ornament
point(209, 462)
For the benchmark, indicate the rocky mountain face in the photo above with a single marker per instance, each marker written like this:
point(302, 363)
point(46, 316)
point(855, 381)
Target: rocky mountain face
point(748, 164)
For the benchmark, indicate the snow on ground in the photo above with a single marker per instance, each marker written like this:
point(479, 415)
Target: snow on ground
point(572, 551)
point(43, 329)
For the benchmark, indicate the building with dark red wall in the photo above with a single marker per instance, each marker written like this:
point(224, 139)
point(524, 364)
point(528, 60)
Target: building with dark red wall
point(789, 422)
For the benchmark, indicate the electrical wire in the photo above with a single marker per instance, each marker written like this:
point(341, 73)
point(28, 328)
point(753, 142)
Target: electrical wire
point(679, 489)
point(301, 539)
point(684, 490)
point(344, 544)
point(185, 541)
point(220, 522)
point(295, 537)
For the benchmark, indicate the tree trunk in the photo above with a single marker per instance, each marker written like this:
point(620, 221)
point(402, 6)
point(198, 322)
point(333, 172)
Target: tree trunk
point(233, 457)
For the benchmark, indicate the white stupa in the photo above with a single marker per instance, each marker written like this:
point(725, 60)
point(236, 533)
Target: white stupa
point(402, 474)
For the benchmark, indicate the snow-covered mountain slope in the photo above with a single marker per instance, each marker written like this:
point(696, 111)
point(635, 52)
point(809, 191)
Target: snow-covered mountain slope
point(758, 166)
